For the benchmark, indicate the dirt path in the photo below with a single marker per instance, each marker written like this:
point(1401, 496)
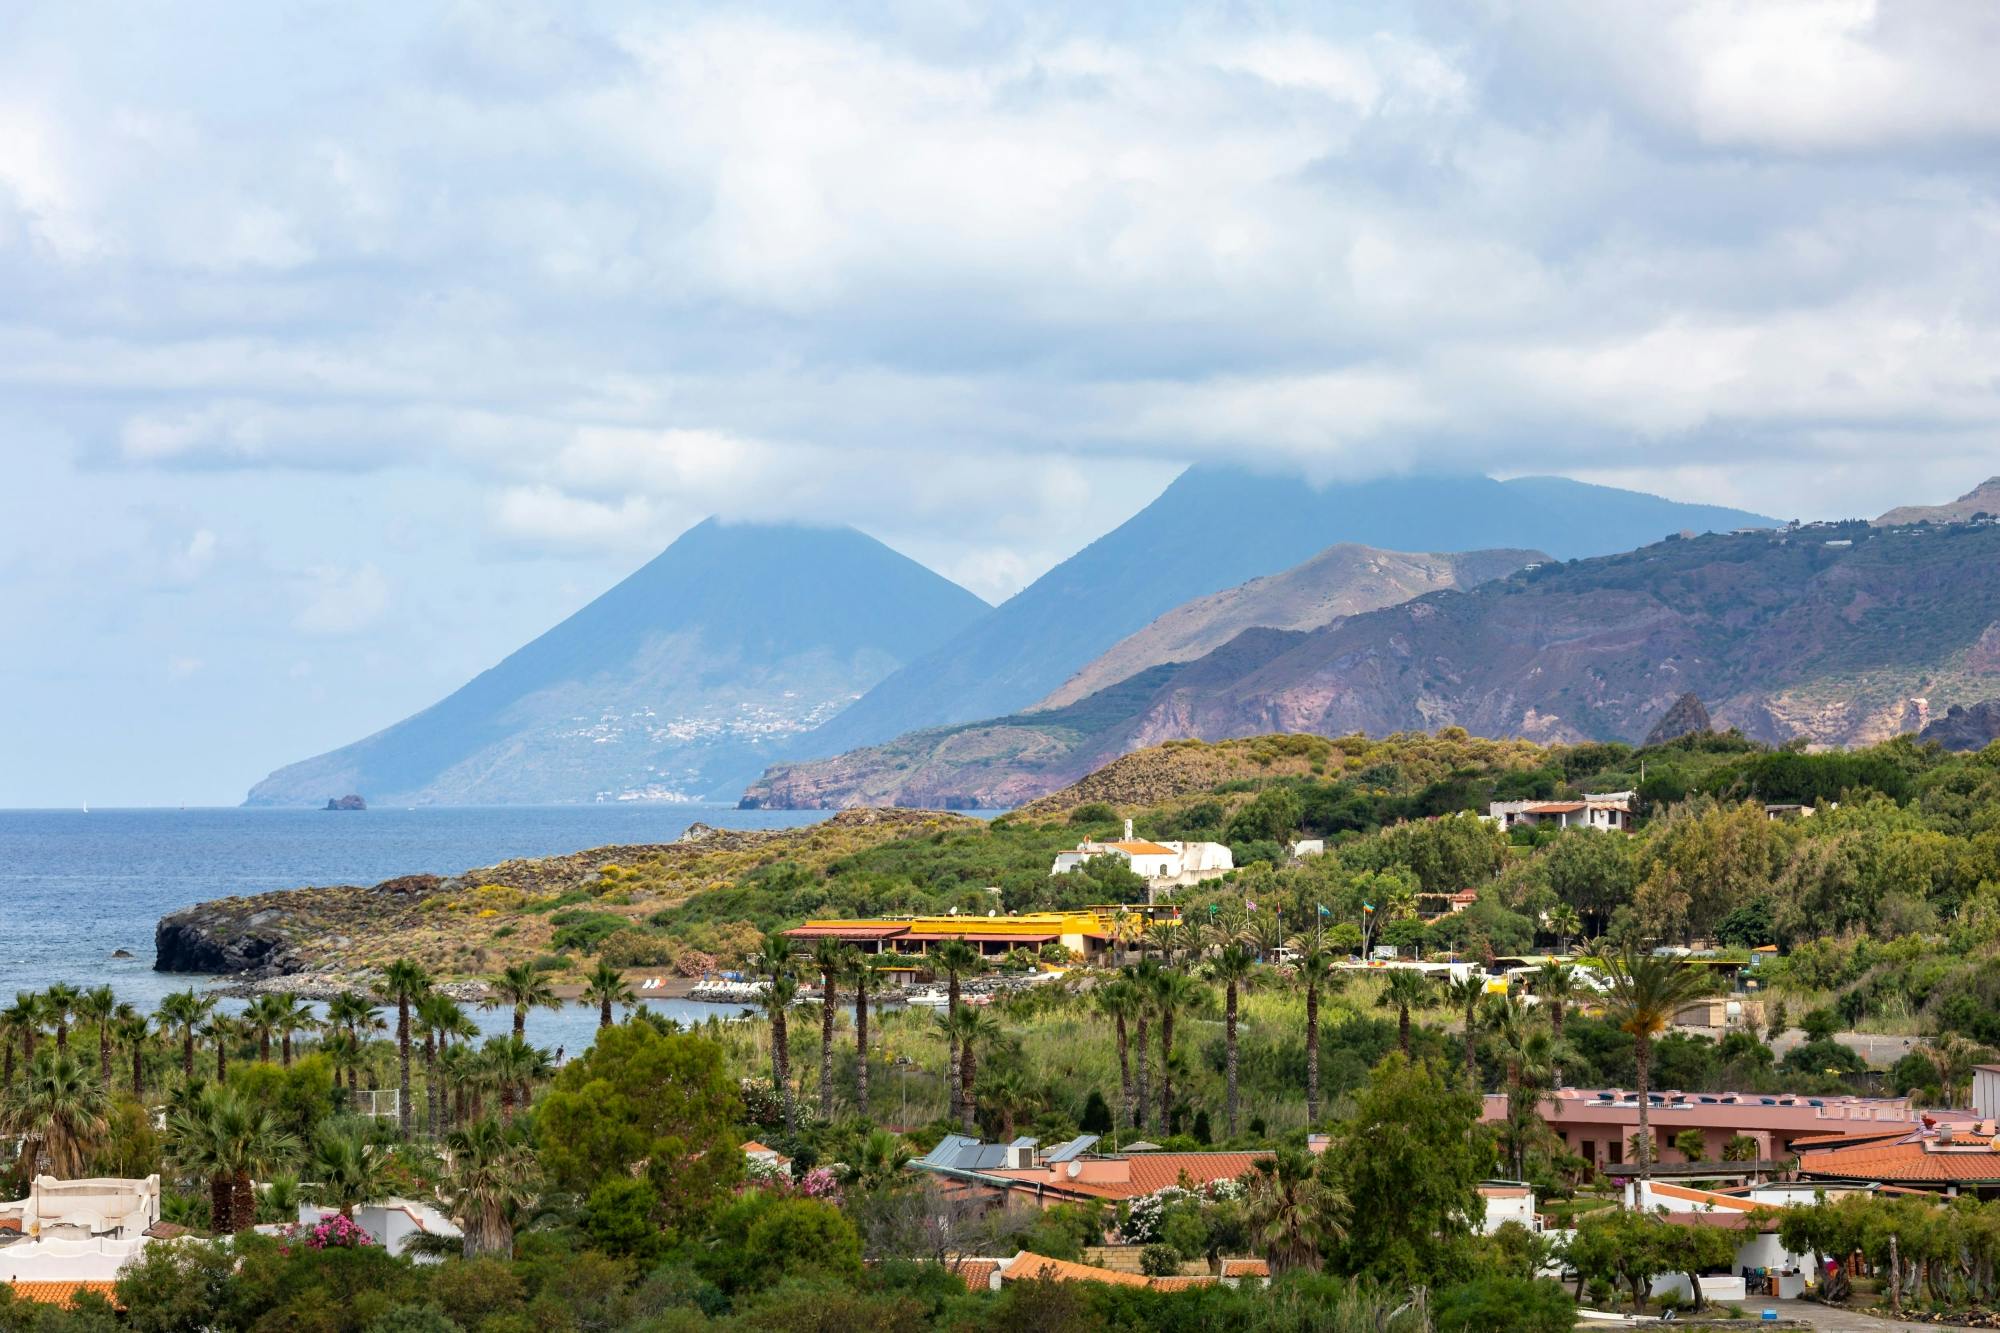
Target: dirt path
point(1835, 1321)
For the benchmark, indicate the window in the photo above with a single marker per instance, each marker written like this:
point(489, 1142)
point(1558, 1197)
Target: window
point(1590, 1151)
point(1617, 1152)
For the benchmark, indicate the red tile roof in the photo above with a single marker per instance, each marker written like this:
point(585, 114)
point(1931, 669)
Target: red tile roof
point(1029, 1266)
point(60, 1293)
point(1246, 1268)
point(977, 1274)
point(1149, 1172)
point(1905, 1162)
point(846, 932)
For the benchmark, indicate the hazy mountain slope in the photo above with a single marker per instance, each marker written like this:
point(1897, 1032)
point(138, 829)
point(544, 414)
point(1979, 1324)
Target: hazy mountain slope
point(682, 681)
point(1781, 635)
point(1342, 580)
point(1214, 528)
point(1981, 499)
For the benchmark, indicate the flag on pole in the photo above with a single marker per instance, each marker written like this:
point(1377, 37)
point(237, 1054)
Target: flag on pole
point(1323, 911)
point(1368, 907)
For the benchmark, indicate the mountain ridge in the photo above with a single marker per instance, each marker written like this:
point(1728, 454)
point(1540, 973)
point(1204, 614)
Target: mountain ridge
point(1215, 527)
point(679, 682)
point(1837, 634)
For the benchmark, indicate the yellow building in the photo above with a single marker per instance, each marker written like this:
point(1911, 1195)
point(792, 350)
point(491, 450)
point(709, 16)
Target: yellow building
point(1087, 934)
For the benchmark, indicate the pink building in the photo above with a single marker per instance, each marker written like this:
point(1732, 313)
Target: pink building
point(1598, 1125)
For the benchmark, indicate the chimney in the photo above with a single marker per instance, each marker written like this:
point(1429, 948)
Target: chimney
point(1128, 830)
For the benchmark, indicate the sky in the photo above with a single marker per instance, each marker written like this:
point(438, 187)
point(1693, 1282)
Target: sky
point(345, 347)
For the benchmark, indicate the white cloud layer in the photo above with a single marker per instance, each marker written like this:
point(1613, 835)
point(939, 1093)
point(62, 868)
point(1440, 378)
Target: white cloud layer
point(552, 282)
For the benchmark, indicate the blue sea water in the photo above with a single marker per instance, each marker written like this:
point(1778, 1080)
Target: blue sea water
point(76, 886)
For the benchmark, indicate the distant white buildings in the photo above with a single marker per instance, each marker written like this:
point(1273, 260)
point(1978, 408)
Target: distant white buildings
point(1606, 811)
point(1163, 865)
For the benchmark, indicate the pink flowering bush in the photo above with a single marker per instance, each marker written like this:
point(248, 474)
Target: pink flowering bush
point(820, 1183)
point(329, 1233)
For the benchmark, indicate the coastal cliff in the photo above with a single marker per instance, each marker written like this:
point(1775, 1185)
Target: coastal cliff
point(479, 921)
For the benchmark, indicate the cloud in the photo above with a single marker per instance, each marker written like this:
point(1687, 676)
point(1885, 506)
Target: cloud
point(341, 601)
point(967, 275)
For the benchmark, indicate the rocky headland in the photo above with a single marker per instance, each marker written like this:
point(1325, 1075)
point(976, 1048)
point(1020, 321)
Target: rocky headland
point(318, 940)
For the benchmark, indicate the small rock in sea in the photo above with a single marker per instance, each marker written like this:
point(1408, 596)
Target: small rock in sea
point(121, 953)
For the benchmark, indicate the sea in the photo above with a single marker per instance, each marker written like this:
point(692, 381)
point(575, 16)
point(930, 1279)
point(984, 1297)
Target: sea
point(77, 886)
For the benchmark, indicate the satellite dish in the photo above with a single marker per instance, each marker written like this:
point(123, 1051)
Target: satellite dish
point(1074, 1170)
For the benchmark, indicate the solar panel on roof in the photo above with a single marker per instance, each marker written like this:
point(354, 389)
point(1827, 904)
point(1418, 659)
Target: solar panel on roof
point(1076, 1147)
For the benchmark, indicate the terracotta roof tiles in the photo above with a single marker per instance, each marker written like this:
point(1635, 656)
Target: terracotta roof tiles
point(61, 1293)
point(1904, 1162)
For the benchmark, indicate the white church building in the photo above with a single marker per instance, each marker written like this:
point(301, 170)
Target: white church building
point(1163, 865)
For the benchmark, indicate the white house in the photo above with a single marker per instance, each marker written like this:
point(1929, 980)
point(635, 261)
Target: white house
point(1163, 865)
point(81, 1209)
point(1605, 811)
point(392, 1223)
point(1507, 1201)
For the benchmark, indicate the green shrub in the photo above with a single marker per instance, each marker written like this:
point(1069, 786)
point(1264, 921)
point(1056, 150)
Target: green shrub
point(1160, 1260)
point(1519, 1305)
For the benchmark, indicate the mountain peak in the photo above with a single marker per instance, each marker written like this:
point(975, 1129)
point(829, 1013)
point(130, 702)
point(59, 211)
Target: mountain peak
point(1981, 499)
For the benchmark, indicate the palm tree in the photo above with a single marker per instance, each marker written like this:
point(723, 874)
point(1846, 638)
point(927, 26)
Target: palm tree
point(59, 1009)
point(956, 959)
point(829, 957)
point(1558, 985)
point(1118, 1001)
point(403, 983)
point(221, 1029)
point(1318, 972)
point(259, 1020)
point(779, 965)
point(1564, 921)
point(343, 1173)
point(1465, 992)
point(183, 1012)
point(1141, 978)
point(972, 1029)
point(58, 1113)
point(1405, 991)
point(459, 1073)
point(353, 1014)
point(865, 975)
point(607, 986)
point(514, 1067)
point(1529, 1052)
point(438, 1015)
point(20, 1022)
point(131, 1028)
point(230, 1140)
point(343, 1049)
point(493, 1179)
point(523, 988)
point(1173, 993)
point(1294, 1211)
point(1236, 968)
point(288, 1019)
point(97, 1006)
point(1644, 993)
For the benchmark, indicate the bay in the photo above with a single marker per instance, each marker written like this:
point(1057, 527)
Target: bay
point(76, 886)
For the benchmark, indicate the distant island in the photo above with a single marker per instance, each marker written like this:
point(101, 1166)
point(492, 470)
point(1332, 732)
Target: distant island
point(345, 803)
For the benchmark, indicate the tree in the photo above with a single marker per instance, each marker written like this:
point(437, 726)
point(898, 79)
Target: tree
point(829, 958)
point(493, 1179)
point(183, 1012)
point(132, 1029)
point(1409, 1161)
point(1567, 925)
point(1141, 976)
point(440, 1018)
point(221, 1029)
point(98, 1006)
point(342, 1171)
point(1235, 967)
point(864, 973)
point(1119, 1001)
point(969, 1029)
point(1465, 992)
point(513, 1067)
point(403, 983)
point(1558, 986)
point(19, 1024)
point(1690, 1144)
point(1644, 993)
point(259, 1021)
point(1403, 991)
point(59, 1113)
point(1174, 993)
point(59, 1004)
point(607, 986)
point(1318, 973)
point(223, 1136)
point(956, 959)
point(1295, 1212)
point(355, 1015)
point(288, 1019)
point(521, 988)
point(642, 1101)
